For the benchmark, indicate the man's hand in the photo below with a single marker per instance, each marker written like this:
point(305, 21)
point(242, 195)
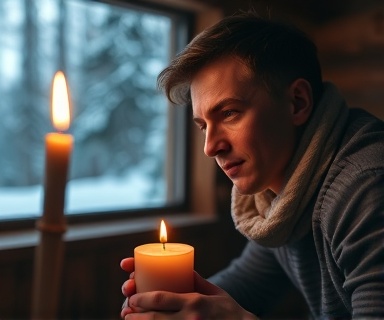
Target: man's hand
point(128, 287)
point(208, 302)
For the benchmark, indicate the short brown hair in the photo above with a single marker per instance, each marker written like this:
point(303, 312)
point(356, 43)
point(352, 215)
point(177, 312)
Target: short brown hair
point(277, 53)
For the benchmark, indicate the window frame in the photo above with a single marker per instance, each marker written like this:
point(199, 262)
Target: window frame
point(176, 17)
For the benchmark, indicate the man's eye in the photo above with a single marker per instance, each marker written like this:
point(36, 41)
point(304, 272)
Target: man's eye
point(229, 113)
point(202, 127)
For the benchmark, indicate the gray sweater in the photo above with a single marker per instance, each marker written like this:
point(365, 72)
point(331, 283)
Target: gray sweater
point(339, 266)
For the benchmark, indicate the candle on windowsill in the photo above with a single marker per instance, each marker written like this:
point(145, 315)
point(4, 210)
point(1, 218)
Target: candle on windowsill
point(58, 146)
point(49, 252)
point(164, 266)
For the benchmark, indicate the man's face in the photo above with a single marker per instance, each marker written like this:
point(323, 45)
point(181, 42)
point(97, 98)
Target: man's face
point(250, 135)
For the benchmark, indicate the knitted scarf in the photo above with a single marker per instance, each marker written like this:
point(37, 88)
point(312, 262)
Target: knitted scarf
point(274, 220)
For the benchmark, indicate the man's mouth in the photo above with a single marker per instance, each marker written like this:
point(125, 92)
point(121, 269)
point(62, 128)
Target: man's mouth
point(232, 168)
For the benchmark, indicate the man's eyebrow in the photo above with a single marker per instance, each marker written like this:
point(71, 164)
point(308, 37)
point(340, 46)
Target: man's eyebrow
point(197, 120)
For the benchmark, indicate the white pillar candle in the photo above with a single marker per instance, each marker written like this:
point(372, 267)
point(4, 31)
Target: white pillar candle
point(164, 266)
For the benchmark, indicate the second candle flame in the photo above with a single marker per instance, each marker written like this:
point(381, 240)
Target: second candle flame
point(163, 233)
point(60, 102)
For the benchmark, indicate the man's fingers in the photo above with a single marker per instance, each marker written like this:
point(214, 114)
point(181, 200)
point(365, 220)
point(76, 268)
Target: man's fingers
point(152, 316)
point(129, 287)
point(157, 300)
point(128, 264)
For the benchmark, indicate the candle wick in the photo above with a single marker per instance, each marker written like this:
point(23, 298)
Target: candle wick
point(163, 245)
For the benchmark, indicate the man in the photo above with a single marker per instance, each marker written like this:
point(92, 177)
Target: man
point(308, 176)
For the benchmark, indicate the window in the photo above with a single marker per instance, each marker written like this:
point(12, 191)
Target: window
point(129, 150)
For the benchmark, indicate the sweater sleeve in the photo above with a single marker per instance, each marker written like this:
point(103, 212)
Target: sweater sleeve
point(352, 223)
point(255, 279)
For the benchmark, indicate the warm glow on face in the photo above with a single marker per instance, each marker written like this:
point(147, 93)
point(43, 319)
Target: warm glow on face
point(60, 102)
point(163, 232)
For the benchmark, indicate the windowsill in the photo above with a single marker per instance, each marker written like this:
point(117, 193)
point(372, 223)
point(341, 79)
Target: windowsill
point(86, 231)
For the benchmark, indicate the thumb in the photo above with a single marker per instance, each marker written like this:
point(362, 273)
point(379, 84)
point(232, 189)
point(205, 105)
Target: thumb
point(203, 286)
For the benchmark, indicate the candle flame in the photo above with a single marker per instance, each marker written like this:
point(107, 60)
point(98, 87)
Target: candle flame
point(60, 102)
point(163, 232)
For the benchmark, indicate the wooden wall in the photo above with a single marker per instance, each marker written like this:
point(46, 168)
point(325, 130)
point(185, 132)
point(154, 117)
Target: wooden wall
point(351, 51)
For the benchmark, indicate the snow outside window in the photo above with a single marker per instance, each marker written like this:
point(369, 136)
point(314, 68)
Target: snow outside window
point(111, 55)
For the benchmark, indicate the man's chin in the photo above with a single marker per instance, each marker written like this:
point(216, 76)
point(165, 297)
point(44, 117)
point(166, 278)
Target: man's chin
point(245, 190)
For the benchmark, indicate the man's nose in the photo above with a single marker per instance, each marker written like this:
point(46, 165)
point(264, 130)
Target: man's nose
point(215, 142)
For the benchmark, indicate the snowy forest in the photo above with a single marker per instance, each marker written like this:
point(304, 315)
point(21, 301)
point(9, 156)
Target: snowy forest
point(111, 56)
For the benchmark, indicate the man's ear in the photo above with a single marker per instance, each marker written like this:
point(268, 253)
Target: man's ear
point(301, 101)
